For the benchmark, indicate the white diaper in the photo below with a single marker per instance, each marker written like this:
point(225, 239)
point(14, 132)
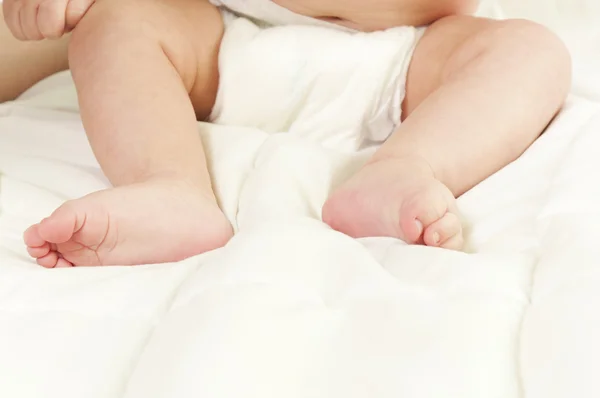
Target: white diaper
point(267, 12)
point(282, 72)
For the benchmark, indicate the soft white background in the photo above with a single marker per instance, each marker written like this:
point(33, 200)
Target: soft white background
point(555, 13)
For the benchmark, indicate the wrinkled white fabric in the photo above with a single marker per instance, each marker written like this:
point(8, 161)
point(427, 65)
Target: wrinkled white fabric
point(290, 308)
point(337, 88)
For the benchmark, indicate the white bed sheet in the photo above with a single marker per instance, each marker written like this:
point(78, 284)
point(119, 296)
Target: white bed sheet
point(290, 308)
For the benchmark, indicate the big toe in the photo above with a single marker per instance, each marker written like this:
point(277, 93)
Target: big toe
point(60, 226)
point(445, 233)
point(32, 237)
point(37, 247)
point(50, 260)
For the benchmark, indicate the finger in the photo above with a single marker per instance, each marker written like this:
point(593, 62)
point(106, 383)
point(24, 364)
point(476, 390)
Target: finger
point(28, 18)
point(76, 10)
point(51, 18)
point(11, 10)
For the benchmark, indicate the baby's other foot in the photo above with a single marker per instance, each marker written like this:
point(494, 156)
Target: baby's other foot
point(396, 198)
point(151, 222)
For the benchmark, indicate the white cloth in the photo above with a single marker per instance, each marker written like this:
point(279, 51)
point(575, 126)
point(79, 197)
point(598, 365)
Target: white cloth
point(292, 309)
point(336, 87)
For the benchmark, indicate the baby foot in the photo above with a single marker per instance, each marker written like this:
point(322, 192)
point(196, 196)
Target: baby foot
point(399, 199)
point(146, 223)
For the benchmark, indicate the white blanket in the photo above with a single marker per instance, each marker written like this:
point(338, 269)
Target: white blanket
point(290, 308)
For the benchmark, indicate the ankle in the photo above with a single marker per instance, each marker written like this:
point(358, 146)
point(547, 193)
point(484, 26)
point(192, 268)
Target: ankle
point(413, 164)
point(168, 176)
point(177, 181)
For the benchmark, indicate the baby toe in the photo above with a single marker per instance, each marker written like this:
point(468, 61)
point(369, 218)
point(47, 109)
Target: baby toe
point(32, 237)
point(49, 260)
point(62, 263)
point(457, 243)
point(60, 226)
point(445, 233)
point(417, 215)
point(37, 252)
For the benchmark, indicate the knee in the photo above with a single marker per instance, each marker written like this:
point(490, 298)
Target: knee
point(535, 44)
point(523, 47)
point(543, 55)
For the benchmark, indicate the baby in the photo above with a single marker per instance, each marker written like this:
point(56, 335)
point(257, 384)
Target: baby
point(478, 93)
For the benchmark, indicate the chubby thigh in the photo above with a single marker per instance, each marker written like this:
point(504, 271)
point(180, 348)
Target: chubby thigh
point(188, 31)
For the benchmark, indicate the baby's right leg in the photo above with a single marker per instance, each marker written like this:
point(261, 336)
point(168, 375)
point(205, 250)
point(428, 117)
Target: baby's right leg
point(136, 65)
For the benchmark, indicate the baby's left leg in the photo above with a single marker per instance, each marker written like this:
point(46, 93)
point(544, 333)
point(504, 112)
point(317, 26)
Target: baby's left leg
point(479, 92)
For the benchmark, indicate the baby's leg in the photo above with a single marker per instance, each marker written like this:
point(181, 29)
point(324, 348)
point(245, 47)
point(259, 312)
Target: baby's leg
point(136, 64)
point(25, 63)
point(479, 93)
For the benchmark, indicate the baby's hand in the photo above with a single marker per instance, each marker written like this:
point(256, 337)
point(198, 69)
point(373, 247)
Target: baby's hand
point(43, 19)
